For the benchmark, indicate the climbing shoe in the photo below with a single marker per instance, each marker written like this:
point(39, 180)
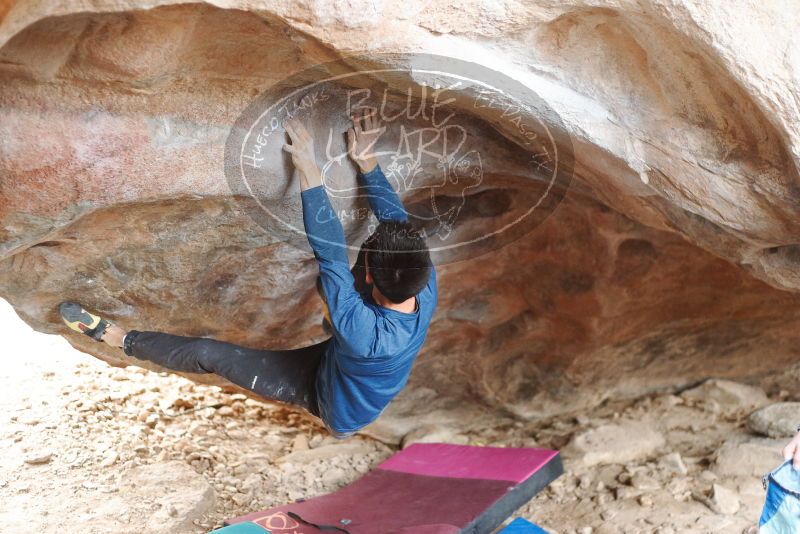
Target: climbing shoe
point(80, 320)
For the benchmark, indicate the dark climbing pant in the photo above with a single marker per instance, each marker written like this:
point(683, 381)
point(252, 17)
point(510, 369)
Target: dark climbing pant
point(281, 375)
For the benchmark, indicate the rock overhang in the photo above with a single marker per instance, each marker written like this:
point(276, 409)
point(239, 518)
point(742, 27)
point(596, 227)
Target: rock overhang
point(116, 119)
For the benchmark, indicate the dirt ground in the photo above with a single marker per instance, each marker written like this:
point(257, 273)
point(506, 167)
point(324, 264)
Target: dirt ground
point(93, 449)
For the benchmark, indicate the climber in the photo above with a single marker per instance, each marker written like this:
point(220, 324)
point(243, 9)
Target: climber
point(348, 379)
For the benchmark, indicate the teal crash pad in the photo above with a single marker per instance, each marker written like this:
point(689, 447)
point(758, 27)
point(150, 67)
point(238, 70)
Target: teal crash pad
point(241, 528)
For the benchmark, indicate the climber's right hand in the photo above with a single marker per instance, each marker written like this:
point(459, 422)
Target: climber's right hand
point(303, 156)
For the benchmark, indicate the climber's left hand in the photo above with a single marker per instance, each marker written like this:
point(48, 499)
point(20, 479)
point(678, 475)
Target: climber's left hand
point(362, 137)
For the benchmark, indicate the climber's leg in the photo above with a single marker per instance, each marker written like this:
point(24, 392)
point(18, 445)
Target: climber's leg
point(281, 375)
point(114, 335)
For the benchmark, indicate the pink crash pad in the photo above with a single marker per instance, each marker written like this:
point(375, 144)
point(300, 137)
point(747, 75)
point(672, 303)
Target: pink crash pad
point(428, 488)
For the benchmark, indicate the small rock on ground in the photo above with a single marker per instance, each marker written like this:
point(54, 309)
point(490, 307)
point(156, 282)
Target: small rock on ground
point(434, 434)
point(615, 443)
point(39, 459)
point(674, 463)
point(724, 500)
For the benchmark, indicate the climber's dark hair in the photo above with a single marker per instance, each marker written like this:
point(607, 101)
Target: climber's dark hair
point(398, 260)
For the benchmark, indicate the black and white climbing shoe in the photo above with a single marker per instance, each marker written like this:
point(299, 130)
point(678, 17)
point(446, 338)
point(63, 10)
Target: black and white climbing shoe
point(80, 320)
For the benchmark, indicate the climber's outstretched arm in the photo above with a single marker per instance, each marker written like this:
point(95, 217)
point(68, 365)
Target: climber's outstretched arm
point(361, 139)
point(353, 322)
point(323, 229)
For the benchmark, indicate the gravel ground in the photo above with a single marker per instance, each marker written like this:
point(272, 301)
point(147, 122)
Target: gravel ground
point(96, 449)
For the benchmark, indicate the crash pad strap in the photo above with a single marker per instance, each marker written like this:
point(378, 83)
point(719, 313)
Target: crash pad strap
point(324, 528)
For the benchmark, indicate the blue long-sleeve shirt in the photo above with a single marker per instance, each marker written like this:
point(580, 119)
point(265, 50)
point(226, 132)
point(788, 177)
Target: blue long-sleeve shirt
point(369, 359)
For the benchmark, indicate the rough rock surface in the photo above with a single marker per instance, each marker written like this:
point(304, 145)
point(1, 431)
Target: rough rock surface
point(616, 443)
point(726, 397)
point(777, 420)
point(748, 457)
point(675, 255)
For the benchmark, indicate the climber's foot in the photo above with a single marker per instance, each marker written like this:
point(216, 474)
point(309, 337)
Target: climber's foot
point(80, 320)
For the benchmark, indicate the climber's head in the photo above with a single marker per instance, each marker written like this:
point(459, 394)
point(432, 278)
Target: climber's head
point(398, 261)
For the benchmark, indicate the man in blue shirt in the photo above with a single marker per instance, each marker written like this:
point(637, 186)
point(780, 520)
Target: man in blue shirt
point(378, 322)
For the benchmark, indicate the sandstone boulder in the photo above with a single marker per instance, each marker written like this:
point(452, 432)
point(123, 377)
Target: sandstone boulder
point(673, 256)
point(777, 420)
